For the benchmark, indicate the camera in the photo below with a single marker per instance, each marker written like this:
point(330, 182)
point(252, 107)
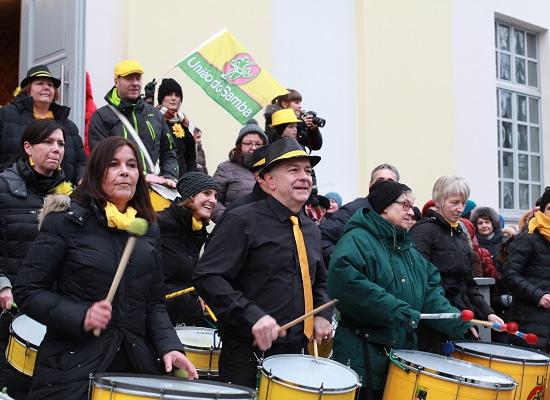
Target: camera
point(320, 122)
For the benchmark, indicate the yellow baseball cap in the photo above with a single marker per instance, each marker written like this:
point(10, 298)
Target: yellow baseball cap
point(285, 116)
point(128, 67)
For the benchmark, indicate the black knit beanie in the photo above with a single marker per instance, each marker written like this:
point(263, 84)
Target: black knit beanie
point(384, 193)
point(251, 126)
point(192, 183)
point(545, 199)
point(169, 85)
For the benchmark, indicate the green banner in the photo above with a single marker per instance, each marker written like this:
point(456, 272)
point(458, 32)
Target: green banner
point(240, 105)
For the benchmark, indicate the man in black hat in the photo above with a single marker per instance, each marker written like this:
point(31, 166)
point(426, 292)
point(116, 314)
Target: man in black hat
point(263, 267)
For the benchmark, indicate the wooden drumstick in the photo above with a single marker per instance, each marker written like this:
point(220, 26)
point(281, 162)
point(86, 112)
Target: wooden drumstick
point(308, 314)
point(315, 349)
point(138, 227)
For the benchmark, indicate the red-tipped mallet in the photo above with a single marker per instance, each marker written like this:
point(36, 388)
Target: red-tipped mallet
point(464, 315)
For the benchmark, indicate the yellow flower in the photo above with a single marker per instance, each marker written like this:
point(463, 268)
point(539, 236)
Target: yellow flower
point(63, 188)
point(178, 131)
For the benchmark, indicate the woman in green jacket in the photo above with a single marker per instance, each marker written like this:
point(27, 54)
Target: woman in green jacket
point(383, 285)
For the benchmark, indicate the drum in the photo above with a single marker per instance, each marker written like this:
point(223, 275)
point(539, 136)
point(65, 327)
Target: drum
point(161, 196)
point(296, 376)
point(528, 367)
point(418, 375)
point(202, 347)
point(325, 348)
point(26, 334)
point(132, 386)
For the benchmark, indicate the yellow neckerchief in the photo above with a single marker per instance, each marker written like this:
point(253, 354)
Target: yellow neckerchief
point(63, 188)
point(540, 222)
point(116, 219)
point(454, 225)
point(196, 225)
point(48, 115)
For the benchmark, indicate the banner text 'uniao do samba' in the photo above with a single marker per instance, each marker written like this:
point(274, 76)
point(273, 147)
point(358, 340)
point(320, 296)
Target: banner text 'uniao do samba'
point(231, 77)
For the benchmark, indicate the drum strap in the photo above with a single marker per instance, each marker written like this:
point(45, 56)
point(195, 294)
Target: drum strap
point(366, 388)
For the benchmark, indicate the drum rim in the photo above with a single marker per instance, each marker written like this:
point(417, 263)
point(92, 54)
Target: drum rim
point(20, 339)
point(502, 358)
point(305, 388)
point(200, 349)
point(102, 381)
point(454, 378)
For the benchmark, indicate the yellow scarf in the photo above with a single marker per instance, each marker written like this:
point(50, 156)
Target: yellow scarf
point(116, 219)
point(48, 115)
point(540, 222)
point(63, 188)
point(453, 224)
point(196, 225)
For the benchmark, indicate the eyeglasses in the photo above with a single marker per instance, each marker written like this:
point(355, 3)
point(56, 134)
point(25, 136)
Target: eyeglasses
point(253, 144)
point(405, 204)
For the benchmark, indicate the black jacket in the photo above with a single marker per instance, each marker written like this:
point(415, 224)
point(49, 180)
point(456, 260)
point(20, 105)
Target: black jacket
point(185, 150)
point(333, 227)
point(148, 123)
point(17, 115)
point(448, 249)
point(526, 274)
point(21, 198)
point(180, 252)
point(77, 251)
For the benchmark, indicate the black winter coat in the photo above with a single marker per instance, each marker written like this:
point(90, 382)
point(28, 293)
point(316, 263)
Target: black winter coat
point(76, 250)
point(180, 252)
point(448, 249)
point(185, 150)
point(333, 227)
point(148, 123)
point(21, 198)
point(526, 274)
point(17, 115)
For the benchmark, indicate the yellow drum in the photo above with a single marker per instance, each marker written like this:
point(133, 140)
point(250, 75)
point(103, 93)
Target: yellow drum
point(26, 334)
point(295, 376)
point(161, 196)
point(131, 387)
point(202, 347)
point(324, 348)
point(417, 375)
point(528, 367)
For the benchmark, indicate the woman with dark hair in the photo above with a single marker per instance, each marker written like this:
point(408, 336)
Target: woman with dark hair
point(36, 101)
point(307, 133)
point(183, 232)
point(234, 177)
point(23, 187)
point(69, 269)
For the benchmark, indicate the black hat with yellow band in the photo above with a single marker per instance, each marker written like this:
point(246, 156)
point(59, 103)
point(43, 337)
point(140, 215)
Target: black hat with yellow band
point(37, 72)
point(284, 149)
point(257, 161)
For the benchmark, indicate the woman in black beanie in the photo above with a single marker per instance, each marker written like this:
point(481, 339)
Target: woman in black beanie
point(183, 232)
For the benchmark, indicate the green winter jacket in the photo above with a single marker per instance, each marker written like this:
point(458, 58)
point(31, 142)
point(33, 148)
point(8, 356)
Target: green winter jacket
point(383, 284)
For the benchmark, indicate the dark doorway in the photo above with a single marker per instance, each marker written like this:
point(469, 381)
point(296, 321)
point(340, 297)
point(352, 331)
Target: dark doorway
point(10, 23)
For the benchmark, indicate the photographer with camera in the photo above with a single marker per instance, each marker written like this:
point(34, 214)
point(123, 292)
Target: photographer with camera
point(308, 133)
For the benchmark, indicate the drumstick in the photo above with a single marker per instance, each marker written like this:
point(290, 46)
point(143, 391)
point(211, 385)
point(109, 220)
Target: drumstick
point(464, 315)
point(308, 314)
point(179, 293)
point(510, 328)
point(315, 349)
point(210, 313)
point(138, 227)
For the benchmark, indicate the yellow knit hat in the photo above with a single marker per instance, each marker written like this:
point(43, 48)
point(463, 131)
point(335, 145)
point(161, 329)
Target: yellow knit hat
point(128, 67)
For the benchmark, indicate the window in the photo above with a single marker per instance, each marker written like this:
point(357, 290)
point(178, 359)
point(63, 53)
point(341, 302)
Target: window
point(518, 118)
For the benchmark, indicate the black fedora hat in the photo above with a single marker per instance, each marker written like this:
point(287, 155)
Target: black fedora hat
point(284, 149)
point(39, 71)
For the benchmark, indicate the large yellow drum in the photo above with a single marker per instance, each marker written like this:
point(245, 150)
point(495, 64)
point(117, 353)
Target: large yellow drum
point(26, 334)
point(425, 376)
point(300, 377)
point(202, 347)
point(132, 387)
point(528, 367)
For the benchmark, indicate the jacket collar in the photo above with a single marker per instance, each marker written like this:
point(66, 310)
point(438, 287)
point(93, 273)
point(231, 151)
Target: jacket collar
point(24, 102)
point(282, 212)
point(112, 98)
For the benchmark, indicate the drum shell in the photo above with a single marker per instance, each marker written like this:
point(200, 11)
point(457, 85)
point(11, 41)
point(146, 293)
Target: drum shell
point(21, 352)
point(531, 376)
point(205, 359)
point(158, 201)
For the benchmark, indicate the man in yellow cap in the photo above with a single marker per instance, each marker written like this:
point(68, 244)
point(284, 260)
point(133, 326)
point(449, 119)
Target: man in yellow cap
point(127, 115)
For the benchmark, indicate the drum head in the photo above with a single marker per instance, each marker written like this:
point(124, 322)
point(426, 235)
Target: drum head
point(310, 374)
point(28, 330)
point(170, 387)
point(196, 337)
point(454, 370)
point(501, 352)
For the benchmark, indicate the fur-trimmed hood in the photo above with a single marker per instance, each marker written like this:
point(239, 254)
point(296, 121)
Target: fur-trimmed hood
point(486, 212)
point(53, 203)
